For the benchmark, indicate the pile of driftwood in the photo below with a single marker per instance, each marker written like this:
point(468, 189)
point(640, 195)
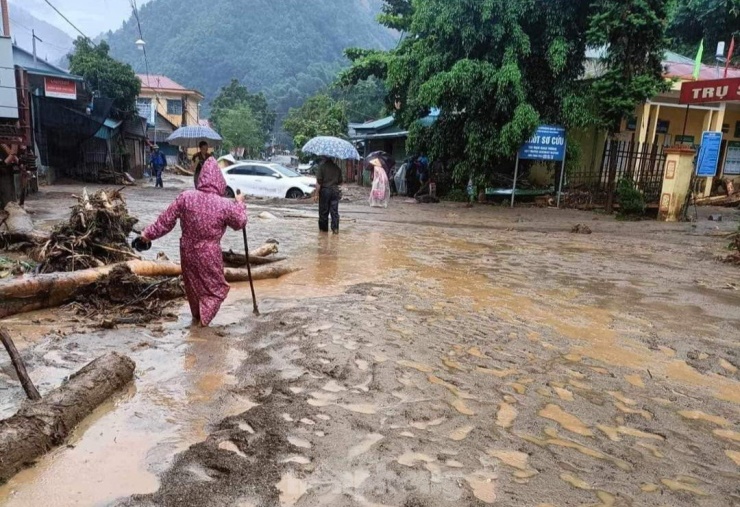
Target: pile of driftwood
point(95, 235)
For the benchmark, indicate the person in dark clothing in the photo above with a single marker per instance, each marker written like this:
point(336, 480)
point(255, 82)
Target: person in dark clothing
point(199, 159)
point(158, 162)
point(328, 179)
point(412, 177)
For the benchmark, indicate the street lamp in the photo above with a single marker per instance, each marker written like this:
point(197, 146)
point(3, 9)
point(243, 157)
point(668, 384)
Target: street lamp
point(720, 55)
point(140, 44)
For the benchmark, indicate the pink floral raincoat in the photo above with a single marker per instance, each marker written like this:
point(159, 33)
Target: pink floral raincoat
point(204, 215)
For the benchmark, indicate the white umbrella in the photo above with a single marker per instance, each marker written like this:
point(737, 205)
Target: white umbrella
point(331, 147)
point(192, 135)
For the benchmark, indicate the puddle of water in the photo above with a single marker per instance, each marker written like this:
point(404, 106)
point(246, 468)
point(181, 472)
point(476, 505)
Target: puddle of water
point(360, 408)
point(734, 456)
point(299, 442)
point(461, 407)
point(566, 420)
point(410, 459)
point(728, 435)
point(506, 415)
point(575, 481)
point(461, 433)
point(697, 415)
point(181, 387)
point(365, 445)
point(483, 486)
point(676, 485)
point(424, 368)
point(514, 459)
point(291, 489)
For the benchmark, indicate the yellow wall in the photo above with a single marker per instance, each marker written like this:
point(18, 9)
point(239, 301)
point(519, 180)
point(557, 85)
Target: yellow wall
point(176, 119)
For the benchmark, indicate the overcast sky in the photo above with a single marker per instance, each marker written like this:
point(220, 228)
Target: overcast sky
point(93, 17)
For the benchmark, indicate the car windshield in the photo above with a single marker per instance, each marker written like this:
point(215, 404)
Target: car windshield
point(290, 173)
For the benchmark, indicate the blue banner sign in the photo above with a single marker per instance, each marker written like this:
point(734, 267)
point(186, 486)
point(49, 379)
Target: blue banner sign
point(548, 143)
point(708, 159)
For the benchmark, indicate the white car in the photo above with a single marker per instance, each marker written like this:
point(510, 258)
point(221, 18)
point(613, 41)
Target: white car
point(265, 179)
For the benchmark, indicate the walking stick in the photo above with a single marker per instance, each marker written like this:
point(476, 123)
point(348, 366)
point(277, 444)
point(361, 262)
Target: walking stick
point(256, 310)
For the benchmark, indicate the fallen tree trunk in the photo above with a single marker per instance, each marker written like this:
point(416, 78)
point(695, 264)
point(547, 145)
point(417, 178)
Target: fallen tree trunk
point(265, 250)
point(39, 426)
point(233, 259)
point(17, 227)
point(235, 275)
point(29, 293)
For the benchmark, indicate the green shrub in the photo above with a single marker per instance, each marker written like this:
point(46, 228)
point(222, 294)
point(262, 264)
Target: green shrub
point(457, 195)
point(631, 200)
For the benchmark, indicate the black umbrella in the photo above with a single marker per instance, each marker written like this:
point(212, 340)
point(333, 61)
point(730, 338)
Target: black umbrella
point(385, 159)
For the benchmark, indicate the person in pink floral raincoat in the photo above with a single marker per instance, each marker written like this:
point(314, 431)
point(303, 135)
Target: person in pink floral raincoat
point(204, 215)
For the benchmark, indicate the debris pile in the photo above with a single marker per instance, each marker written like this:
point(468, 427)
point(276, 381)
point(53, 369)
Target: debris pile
point(580, 229)
point(734, 257)
point(122, 297)
point(95, 235)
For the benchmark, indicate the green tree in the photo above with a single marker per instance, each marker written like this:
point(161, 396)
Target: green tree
point(241, 129)
point(110, 77)
point(364, 100)
point(319, 116)
point(711, 20)
point(397, 14)
point(234, 95)
point(634, 31)
point(498, 68)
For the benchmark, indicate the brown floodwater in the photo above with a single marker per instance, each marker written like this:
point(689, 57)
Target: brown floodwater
point(185, 377)
point(181, 387)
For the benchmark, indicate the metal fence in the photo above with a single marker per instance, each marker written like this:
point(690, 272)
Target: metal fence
point(643, 163)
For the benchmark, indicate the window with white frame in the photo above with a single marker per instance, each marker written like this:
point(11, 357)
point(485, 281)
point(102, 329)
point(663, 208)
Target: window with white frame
point(174, 106)
point(144, 106)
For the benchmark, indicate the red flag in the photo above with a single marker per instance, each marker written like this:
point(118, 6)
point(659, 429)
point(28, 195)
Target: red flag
point(729, 55)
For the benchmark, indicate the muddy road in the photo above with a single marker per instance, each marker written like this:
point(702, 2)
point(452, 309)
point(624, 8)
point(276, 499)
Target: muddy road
point(429, 355)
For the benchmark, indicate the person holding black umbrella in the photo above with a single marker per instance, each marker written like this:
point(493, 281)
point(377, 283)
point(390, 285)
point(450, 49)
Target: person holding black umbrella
point(328, 178)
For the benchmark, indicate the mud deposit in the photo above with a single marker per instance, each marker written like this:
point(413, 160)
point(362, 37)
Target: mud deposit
point(428, 356)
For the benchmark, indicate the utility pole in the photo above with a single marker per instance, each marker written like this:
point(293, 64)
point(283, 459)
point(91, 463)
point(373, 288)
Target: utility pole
point(34, 39)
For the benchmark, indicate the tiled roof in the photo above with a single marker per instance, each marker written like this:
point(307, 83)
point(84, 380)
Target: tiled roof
point(685, 71)
point(158, 81)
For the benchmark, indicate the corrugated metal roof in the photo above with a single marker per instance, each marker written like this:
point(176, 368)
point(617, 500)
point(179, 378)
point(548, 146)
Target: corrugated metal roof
point(380, 124)
point(112, 124)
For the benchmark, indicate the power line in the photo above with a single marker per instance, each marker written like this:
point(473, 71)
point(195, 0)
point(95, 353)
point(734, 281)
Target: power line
point(31, 31)
point(70, 23)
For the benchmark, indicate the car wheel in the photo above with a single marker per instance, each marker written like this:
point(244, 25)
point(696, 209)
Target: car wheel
point(294, 193)
point(230, 193)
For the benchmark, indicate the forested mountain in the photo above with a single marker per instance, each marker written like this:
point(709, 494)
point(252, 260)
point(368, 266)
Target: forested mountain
point(286, 48)
point(54, 45)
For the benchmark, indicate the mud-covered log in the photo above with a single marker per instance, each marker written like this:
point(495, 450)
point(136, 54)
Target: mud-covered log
point(235, 275)
point(265, 250)
point(17, 227)
point(234, 259)
point(29, 293)
point(42, 425)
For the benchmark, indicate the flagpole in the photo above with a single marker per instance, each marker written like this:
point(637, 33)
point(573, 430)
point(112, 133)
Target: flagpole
point(729, 56)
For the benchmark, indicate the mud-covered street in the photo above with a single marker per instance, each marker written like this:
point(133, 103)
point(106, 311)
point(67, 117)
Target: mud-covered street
point(429, 355)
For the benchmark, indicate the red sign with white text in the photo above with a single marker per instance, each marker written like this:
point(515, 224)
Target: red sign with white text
point(60, 88)
point(714, 90)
